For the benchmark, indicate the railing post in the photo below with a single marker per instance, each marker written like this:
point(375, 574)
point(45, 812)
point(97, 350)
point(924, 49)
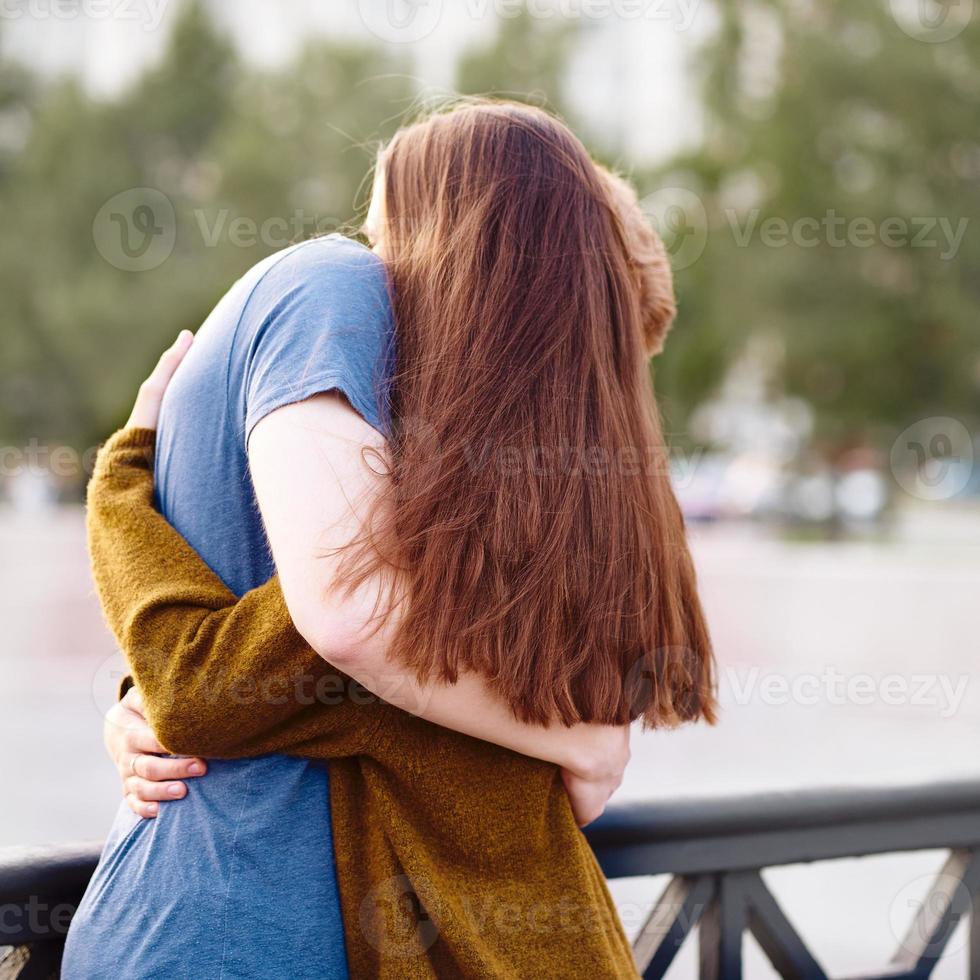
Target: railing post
point(975, 938)
point(33, 961)
point(951, 897)
point(720, 935)
point(674, 917)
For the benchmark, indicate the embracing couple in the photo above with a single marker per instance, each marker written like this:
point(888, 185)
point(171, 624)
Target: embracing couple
point(396, 552)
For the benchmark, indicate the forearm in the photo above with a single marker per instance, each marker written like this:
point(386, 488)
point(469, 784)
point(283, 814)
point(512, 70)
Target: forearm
point(221, 676)
point(471, 707)
point(318, 497)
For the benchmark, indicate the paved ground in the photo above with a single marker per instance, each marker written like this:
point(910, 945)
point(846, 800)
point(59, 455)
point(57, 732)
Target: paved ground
point(842, 663)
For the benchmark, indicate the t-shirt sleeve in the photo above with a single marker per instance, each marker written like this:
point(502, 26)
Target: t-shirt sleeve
point(319, 320)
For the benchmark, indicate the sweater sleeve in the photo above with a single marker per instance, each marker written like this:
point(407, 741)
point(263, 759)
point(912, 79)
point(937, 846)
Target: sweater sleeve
point(221, 677)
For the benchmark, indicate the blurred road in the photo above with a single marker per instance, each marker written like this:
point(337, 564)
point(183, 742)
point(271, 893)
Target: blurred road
point(840, 664)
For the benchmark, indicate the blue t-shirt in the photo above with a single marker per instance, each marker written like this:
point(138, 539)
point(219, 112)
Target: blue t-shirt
point(238, 878)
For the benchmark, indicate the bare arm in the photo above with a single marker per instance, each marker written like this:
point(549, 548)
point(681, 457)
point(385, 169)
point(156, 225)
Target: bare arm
point(224, 676)
point(315, 490)
point(205, 640)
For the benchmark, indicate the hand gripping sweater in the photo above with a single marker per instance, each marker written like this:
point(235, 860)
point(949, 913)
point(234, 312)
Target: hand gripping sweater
point(455, 858)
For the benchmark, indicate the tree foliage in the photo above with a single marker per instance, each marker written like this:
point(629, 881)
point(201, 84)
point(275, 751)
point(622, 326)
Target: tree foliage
point(830, 111)
point(810, 109)
point(249, 162)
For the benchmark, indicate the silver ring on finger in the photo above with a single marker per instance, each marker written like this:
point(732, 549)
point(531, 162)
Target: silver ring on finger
point(132, 765)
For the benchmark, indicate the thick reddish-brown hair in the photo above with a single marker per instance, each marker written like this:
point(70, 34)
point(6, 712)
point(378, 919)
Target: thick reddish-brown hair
point(648, 261)
point(530, 513)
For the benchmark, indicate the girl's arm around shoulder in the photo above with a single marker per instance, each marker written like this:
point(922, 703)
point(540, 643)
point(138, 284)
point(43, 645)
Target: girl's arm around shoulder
point(221, 676)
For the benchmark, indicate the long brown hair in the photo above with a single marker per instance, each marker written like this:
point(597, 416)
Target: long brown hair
point(647, 257)
point(529, 512)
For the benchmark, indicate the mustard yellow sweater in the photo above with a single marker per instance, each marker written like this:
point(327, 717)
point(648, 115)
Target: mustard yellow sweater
point(455, 858)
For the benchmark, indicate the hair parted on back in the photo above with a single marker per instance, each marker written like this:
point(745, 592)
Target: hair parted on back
point(529, 513)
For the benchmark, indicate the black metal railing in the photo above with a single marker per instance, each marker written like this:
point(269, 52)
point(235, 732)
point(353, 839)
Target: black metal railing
point(713, 849)
point(40, 888)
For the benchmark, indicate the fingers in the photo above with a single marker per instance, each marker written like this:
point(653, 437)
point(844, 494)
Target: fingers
point(146, 411)
point(141, 809)
point(585, 813)
point(127, 733)
point(588, 798)
point(133, 699)
point(169, 362)
point(149, 777)
point(148, 792)
point(149, 780)
point(157, 769)
point(140, 740)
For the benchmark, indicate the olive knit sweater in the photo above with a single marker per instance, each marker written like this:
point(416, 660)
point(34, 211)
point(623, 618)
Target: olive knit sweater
point(455, 858)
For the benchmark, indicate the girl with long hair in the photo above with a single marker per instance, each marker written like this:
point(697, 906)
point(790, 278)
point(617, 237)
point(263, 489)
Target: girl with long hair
point(512, 555)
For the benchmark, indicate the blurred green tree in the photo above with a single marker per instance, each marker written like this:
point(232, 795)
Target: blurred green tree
point(812, 112)
point(526, 59)
point(839, 168)
point(248, 161)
